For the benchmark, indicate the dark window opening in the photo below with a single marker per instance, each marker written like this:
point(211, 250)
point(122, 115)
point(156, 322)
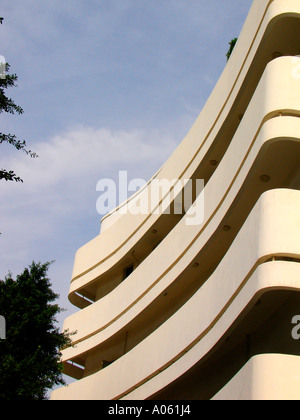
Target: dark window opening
point(127, 271)
point(106, 363)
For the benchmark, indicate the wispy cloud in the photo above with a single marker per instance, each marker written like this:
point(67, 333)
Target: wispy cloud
point(60, 185)
point(82, 152)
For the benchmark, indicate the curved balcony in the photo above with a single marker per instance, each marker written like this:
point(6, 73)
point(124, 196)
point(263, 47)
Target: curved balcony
point(227, 295)
point(99, 264)
point(229, 197)
point(273, 377)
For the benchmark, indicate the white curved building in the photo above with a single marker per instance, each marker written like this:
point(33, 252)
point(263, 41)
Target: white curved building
point(174, 306)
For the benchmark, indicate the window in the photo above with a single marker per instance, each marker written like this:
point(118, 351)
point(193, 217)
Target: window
point(127, 271)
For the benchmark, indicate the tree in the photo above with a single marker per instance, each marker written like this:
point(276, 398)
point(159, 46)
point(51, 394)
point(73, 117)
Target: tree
point(7, 105)
point(232, 44)
point(30, 355)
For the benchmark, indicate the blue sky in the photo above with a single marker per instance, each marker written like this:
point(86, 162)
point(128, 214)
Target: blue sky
point(106, 86)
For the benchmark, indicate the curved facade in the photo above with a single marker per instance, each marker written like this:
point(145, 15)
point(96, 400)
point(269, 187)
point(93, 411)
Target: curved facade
point(205, 310)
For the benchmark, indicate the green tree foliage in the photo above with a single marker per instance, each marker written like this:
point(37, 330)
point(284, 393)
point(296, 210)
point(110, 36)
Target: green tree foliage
point(30, 355)
point(232, 44)
point(8, 105)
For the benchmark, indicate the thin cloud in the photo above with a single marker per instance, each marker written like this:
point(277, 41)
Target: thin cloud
point(59, 189)
point(87, 152)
